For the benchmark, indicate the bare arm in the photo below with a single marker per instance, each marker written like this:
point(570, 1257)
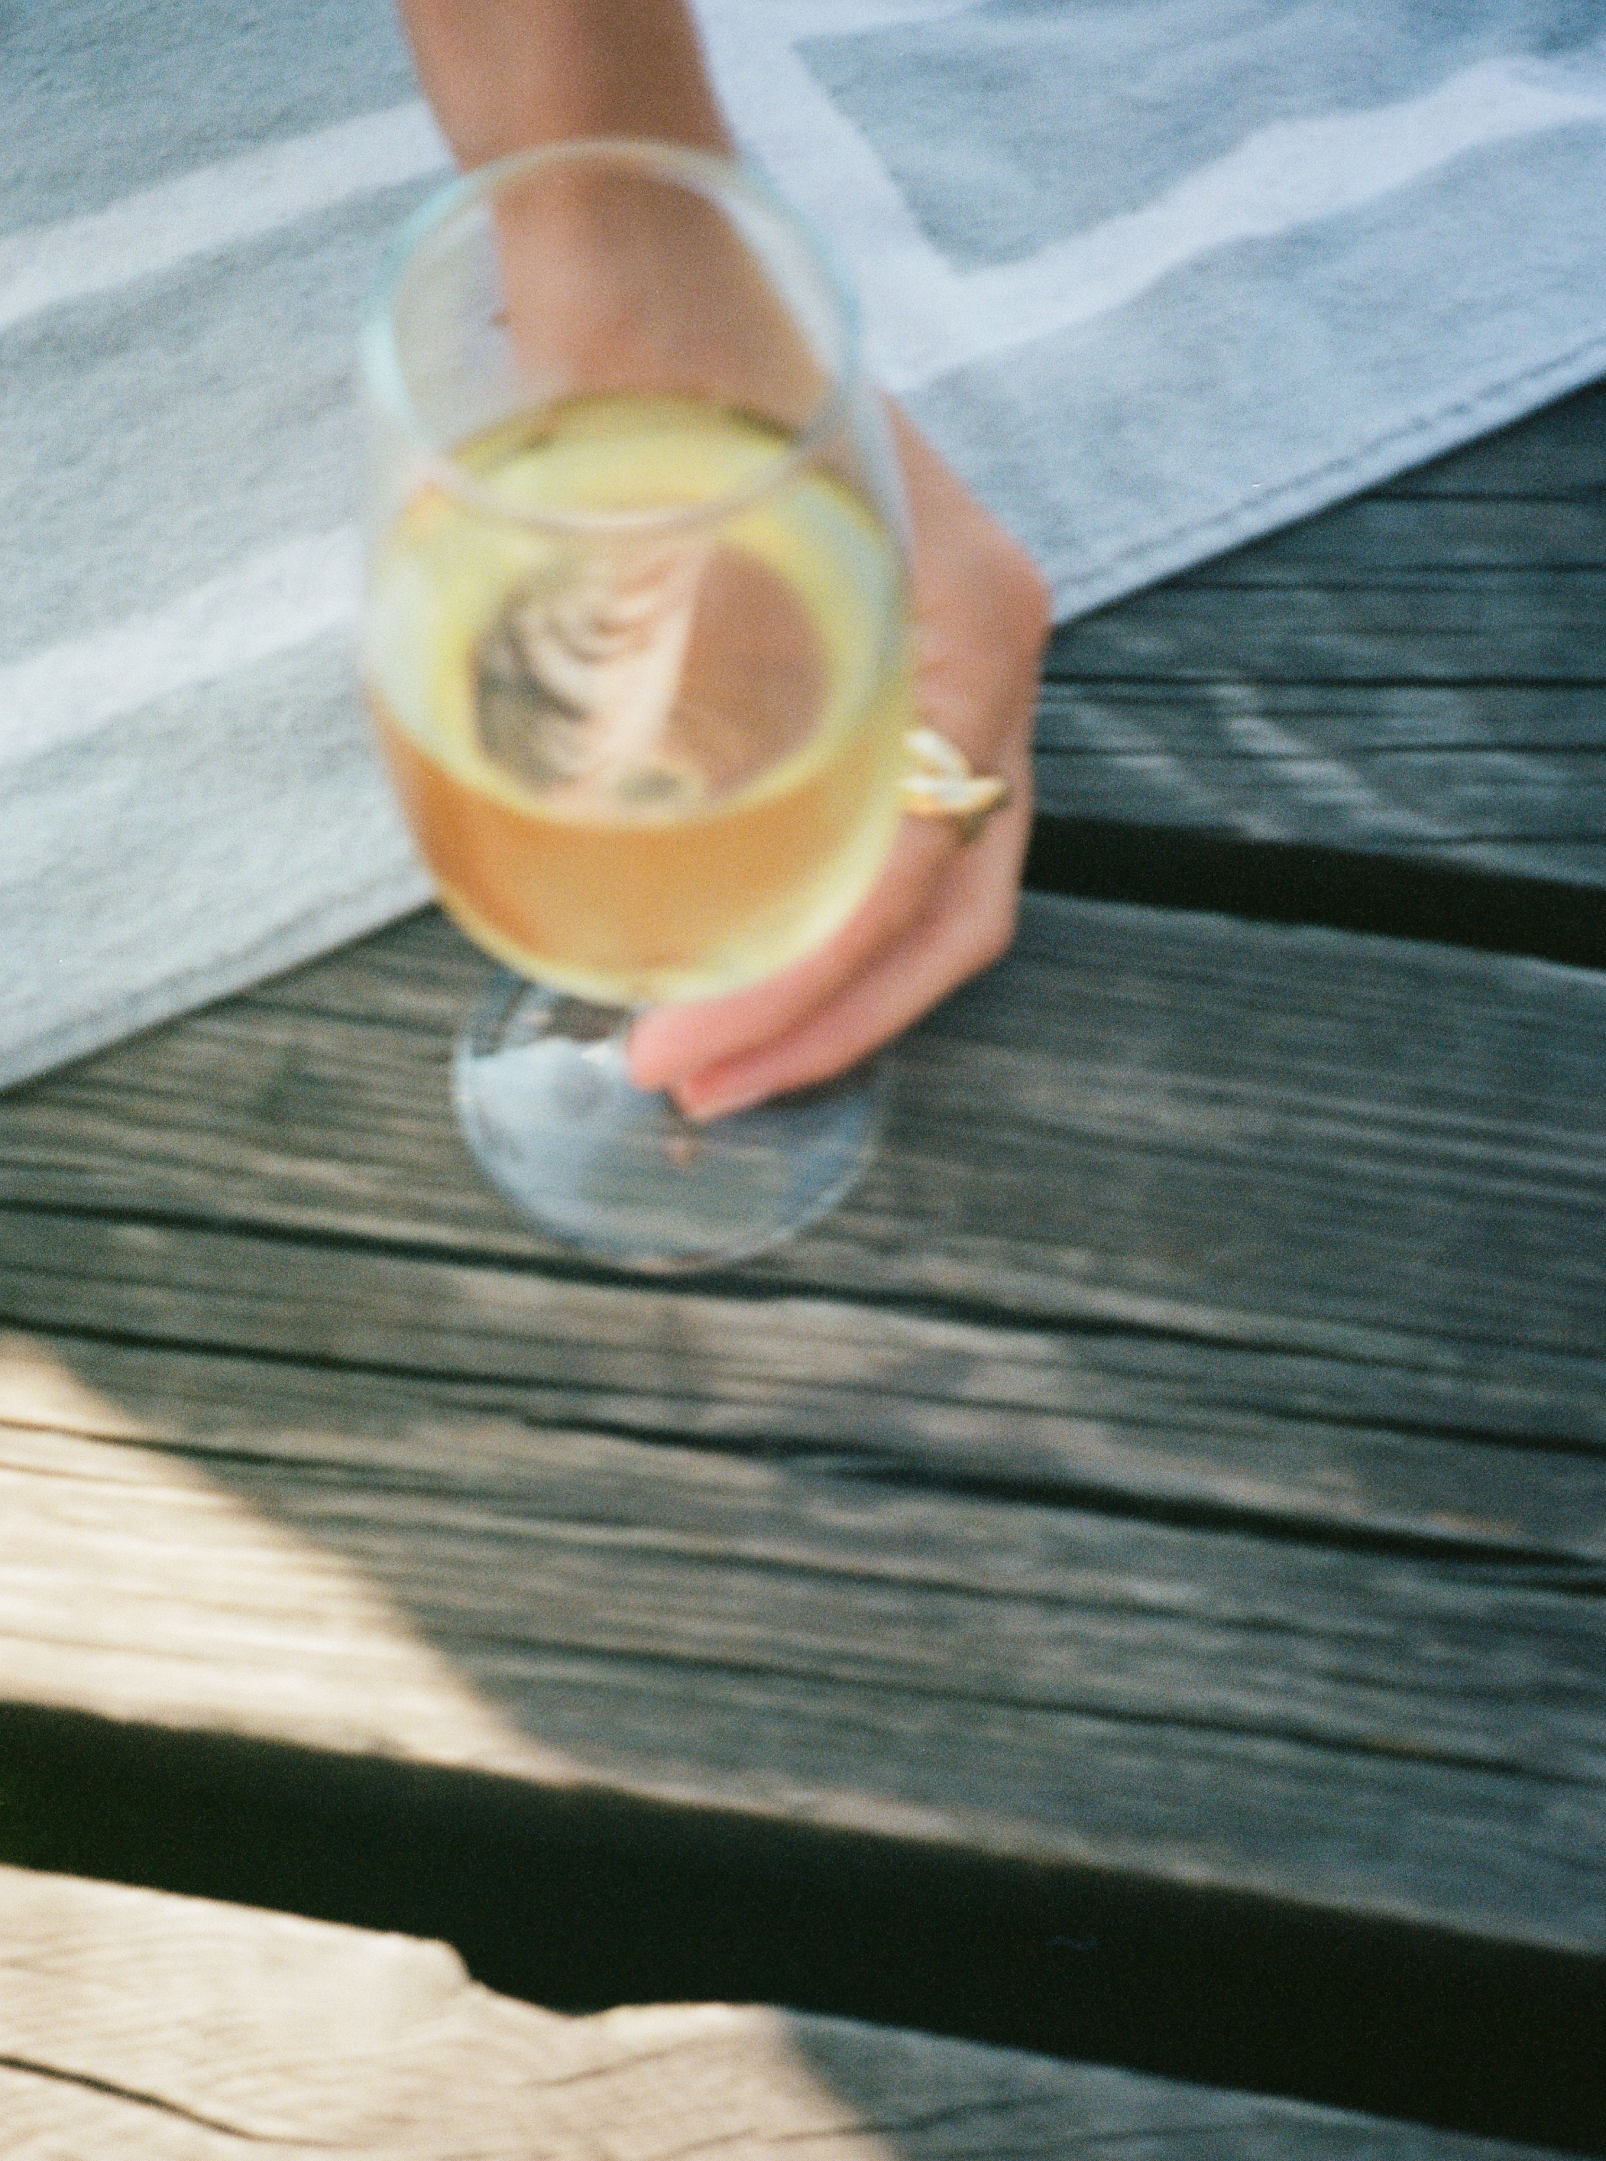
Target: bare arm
point(504, 74)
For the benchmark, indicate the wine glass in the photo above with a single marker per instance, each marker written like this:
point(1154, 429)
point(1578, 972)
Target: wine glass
point(635, 641)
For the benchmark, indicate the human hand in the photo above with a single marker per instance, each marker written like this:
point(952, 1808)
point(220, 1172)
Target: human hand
point(942, 909)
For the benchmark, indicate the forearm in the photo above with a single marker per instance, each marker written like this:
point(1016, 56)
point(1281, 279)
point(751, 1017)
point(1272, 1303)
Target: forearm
point(504, 74)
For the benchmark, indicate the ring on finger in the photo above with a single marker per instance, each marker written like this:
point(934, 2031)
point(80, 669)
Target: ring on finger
point(940, 784)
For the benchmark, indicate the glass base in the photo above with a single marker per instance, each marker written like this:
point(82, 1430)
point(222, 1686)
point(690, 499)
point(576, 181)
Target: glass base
point(545, 1102)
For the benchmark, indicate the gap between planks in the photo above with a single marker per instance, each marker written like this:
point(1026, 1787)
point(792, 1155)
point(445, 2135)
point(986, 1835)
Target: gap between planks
point(192, 2031)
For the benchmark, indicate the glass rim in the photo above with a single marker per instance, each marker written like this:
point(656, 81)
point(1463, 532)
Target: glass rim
point(704, 173)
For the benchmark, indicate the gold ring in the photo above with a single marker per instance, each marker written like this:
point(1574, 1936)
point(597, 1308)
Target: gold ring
point(942, 785)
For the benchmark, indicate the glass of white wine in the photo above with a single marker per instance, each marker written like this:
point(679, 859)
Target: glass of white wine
point(636, 646)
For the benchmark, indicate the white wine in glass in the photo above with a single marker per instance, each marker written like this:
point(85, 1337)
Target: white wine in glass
point(635, 642)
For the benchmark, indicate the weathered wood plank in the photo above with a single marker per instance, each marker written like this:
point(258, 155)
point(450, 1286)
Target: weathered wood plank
point(1420, 672)
point(1522, 624)
point(1387, 540)
point(1556, 454)
point(137, 2024)
point(1369, 1727)
point(208, 1328)
point(1456, 776)
point(1185, 1455)
point(1361, 719)
point(1302, 1139)
point(1476, 1463)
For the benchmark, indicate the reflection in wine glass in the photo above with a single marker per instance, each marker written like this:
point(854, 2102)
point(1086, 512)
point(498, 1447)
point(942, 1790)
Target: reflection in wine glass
point(636, 646)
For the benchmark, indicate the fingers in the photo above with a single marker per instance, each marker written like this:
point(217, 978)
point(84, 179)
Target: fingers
point(671, 1043)
point(940, 911)
point(967, 928)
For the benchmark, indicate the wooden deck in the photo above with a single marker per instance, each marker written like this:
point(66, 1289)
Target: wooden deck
point(1147, 1547)
point(1416, 674)
point(315, 2040)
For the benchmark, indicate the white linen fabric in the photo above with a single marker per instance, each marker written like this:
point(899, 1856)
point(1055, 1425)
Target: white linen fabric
point(1157, 275)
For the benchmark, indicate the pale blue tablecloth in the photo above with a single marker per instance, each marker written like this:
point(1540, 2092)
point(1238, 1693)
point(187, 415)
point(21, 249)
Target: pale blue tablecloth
point(1157, 276)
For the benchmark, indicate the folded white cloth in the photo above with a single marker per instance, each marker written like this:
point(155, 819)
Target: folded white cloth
point(1157, 275)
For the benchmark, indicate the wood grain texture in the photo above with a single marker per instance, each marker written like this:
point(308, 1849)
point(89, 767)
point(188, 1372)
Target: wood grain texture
point(1186, 1454)
point(1420, 672)
point(139, 2025)
point(1302, 1140)
point(1373, 1731)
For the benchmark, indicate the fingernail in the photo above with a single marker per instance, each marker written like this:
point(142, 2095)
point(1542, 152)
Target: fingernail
point(702, 1104)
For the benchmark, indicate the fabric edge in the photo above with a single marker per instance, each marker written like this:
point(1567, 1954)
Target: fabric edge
point(1412, 443)
point(309, 936)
